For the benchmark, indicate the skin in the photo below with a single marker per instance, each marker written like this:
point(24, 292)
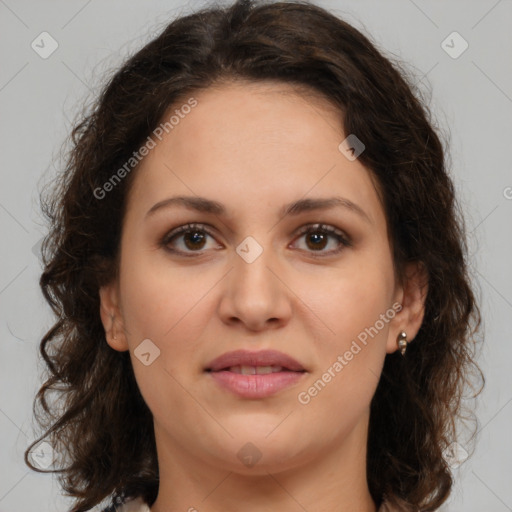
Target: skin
point(254, 148)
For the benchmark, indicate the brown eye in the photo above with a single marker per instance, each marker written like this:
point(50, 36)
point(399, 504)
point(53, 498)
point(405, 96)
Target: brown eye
point(316, 241)
point(187, 239)
point(194, 239)
point(318, 237)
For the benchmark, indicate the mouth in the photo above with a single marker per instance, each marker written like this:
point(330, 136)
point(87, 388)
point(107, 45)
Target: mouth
point(255, 375)
point(256, 370)
point(247, 362)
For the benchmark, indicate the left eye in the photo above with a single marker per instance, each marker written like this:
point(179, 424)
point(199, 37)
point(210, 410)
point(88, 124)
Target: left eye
point(193, 238)
point(317, 238)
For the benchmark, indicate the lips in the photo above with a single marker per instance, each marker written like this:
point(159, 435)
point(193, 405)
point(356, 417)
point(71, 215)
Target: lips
point(255, 375)
point(254, 363)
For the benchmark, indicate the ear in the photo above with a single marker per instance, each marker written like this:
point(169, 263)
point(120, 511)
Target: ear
point(411, 295)
point(112, 318)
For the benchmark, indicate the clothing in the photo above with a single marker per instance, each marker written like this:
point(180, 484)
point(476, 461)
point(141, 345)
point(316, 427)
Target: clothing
point(130, 506)
point(139, 506)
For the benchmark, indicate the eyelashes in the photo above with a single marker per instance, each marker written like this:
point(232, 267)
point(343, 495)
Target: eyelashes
point(322, 234)
point(192, 234)
point(193, 239)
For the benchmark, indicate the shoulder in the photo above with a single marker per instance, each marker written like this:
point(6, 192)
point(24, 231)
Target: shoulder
point(136, 505)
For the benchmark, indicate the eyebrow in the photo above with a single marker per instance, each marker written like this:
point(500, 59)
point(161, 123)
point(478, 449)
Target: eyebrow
point(202, 204)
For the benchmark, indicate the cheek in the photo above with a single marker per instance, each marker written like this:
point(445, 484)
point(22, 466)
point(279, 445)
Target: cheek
point(160, 301)
point(352, 301)
point(171, 308)
point(349, 360)
point(357, 310)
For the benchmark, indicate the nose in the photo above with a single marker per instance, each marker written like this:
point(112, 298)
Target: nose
point(255, 295)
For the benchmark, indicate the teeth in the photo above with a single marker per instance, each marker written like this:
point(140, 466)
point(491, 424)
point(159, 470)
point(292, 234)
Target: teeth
point(262, 370)
point(255, 370)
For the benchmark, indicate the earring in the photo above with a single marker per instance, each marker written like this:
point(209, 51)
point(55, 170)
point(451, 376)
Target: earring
point(402, 342)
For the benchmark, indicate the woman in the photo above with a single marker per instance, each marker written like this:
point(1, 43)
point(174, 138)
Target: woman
point(258, 268)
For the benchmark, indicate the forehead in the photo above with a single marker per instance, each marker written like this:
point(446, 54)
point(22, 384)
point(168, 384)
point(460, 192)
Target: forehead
point(253, 145)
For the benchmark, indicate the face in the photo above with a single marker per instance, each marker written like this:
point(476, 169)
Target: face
point(258, 264)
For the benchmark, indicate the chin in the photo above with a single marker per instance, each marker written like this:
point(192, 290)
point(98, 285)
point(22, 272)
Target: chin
point(256, 454)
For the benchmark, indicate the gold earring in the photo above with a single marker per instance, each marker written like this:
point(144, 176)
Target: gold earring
point(402, 342)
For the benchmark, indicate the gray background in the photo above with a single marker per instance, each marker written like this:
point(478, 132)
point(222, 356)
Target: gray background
point(471, 100)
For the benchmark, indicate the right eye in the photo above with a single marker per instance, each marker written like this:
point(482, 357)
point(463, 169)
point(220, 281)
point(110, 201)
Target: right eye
point(187, 239)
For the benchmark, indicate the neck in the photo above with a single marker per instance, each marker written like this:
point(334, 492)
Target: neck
point(334, 480)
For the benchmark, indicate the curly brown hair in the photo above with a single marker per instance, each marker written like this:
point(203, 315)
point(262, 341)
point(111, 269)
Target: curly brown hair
point(98, 421)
